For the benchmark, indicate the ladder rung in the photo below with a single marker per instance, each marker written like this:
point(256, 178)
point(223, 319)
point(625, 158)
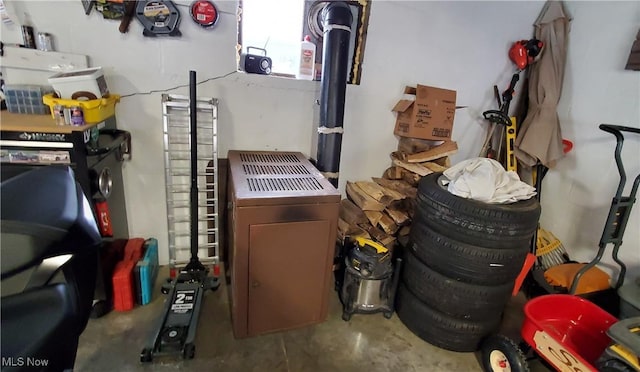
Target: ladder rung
point(183, 204)
point(187, 125)
point(186, 202)
point(187, 174)
point(188, 143)
point(203, 260)
point(200, 233)
point(187, 219)
point(187, 191)
point(207, 245)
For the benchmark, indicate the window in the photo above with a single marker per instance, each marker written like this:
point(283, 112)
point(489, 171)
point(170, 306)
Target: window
point(277, 27)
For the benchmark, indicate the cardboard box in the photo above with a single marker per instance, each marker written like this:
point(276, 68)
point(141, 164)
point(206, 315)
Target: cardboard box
point(428, 116)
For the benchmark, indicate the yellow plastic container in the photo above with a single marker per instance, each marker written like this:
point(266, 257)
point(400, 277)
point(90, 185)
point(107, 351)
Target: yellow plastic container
point(95, 110)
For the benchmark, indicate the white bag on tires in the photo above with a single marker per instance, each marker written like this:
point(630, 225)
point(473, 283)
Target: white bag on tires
point(486, 180)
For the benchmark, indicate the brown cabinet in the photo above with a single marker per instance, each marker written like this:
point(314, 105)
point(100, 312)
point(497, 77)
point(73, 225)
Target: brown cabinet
point(283, 216)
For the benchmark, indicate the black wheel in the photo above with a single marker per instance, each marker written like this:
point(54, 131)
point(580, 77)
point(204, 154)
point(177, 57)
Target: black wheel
point(440, 329)
point(214, 283)
point(452, 297)
point(614, 365)
point(165, 288)
point(145, 356)
point(100, 309)
point(189, 351)
point(387, 314)
point(474, 222)
point(466, 262)
point(346, 316)
point(500, 353)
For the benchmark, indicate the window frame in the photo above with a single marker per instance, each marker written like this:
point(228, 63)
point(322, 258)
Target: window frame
point(362, 9)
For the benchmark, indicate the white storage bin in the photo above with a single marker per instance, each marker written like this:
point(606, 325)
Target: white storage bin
point(89, 80)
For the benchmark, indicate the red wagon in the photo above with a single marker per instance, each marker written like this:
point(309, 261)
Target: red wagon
point(567, 331)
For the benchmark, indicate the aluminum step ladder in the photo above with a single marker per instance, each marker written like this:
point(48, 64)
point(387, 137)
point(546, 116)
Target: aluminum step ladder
point(177, 158)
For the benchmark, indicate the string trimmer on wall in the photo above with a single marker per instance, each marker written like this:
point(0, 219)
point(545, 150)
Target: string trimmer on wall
point(522, 53)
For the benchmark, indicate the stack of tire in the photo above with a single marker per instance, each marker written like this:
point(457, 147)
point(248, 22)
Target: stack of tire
point(461, 265)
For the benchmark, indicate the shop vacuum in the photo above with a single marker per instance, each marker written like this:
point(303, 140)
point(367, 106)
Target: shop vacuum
point(370, 280)
point(176, 329)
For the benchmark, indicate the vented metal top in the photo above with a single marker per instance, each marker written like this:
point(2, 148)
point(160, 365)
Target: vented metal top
point(265, 178)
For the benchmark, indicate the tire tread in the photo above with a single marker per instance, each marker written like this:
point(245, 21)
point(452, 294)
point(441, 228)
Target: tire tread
point(439, 329)
point(452, 297)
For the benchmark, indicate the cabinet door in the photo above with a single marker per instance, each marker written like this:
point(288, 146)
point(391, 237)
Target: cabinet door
point(287, 274)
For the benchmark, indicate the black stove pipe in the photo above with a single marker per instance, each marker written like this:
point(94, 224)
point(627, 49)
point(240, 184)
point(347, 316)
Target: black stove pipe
point(336, 21)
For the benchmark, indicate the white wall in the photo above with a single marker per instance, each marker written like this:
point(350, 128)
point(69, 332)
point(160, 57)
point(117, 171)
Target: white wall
point(455, 45)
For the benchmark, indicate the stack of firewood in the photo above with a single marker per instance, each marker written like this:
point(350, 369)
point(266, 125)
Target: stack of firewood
point(382, 209)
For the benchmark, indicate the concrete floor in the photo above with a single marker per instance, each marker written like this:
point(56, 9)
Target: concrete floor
point(366, 343)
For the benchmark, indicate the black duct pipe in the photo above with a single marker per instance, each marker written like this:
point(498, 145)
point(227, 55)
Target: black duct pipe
point(336, 22)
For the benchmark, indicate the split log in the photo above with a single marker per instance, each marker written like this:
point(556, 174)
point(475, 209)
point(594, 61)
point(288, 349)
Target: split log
point(404, 231)
point(377, 192)
point(362, 199)
point(351, 213)
point(411, 178)
point(399, 186)
point(435, 167)
point(415, 168)
point(393, 173)
point(373, 217)
point(388, 242)
point(387, 224)
point(380, 236)
point(398, 155)
point(445, 161)
point(380, 193)
point(343, 227)
point(411, 205)
point(399, 217)
point(446, 149)
point(346, 230)
point(398, 205)
point(393, 194)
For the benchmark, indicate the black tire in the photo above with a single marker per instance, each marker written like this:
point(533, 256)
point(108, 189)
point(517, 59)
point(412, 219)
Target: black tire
point(474, 222)
point(346, 316)
point(189, 351)
point(466, 262)
point(166, 287)
point(451, 297)
point(500, 349)
point(100, 309)
point(214, 283)
point(145, 356)
point(440, 329)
